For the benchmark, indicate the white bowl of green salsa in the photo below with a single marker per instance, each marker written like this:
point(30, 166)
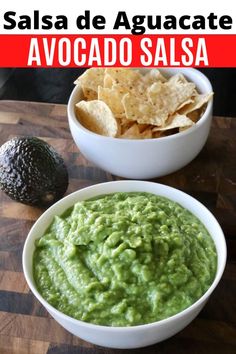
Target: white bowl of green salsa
point(125, 264)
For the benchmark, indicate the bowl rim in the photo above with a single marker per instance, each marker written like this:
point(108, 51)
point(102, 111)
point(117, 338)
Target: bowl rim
point(207, 113)
point(53, 310)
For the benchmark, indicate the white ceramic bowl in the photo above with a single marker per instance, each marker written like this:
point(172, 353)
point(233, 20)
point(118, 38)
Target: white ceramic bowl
point(148, 158)
point(136, 336)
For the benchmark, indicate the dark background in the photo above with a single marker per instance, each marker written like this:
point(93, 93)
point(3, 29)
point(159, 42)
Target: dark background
point(55, 85)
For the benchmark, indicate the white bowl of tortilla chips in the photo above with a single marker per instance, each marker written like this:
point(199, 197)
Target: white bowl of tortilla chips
point(140, 123)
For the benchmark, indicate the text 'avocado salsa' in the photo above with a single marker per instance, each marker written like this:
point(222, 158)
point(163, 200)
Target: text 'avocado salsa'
point(124, 259)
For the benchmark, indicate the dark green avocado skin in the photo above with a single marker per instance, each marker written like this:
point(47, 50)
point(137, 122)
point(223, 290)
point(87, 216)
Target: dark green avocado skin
point(32, 172)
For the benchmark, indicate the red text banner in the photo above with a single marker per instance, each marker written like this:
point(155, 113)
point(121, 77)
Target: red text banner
point(117, 50)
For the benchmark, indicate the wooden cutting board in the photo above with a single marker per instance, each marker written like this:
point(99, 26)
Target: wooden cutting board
point(26, 327)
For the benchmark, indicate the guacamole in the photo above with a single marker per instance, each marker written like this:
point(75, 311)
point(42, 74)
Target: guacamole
point(124, 259)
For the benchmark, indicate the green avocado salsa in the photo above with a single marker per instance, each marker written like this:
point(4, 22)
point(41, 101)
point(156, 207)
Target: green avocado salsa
point(124, 259)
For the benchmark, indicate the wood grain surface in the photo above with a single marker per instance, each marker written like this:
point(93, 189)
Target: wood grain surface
point(26, 327)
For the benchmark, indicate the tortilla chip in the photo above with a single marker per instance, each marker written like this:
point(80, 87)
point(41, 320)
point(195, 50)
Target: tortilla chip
point(147, 133)
point(97, 117)
point(131, 133)
point(198, 102)
point(157, 134)
point(91, 79)
point(175, 121)
point(141, 111)
point(124, 124)
point(194, 116)
point(134, 133)
point(124, 77)
point(89, 94)
point(108, 81)
point(182, 129)
point(153, 76)
point(112, 98)
point(188, 101)
point(129, 81)
point(143, 127)
point(169, 96)
point(178, 77)
point(122, 118)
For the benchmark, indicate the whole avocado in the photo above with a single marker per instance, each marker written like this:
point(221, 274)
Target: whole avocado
point(32, 172)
